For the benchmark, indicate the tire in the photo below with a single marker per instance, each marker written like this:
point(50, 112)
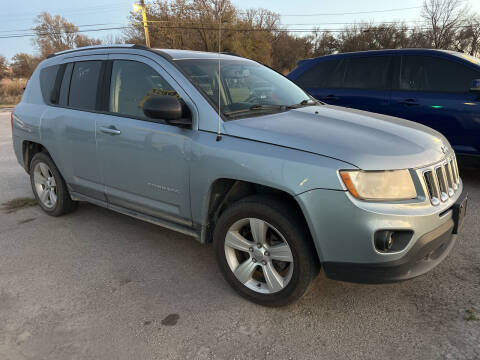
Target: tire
point(49, 186)
point(284, 225)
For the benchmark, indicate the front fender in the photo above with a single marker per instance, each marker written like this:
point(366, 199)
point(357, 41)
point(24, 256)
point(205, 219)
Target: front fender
point(285, 169)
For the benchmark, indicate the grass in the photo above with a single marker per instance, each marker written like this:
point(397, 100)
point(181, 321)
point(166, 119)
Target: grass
point(17, 204)
point(470, 315)
point(11, 91)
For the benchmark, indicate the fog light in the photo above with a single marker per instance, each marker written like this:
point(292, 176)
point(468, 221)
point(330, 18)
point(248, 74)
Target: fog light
point(384, 240)
point(392, 240)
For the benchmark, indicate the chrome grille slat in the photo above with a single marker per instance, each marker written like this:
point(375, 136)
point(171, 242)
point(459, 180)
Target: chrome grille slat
point(450, 180)
point(441, 180)
point(455, 170)
point(442, 183)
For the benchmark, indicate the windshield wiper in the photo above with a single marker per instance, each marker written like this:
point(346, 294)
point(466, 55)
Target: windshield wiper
point(267, 107)
point(272, 107)
point(306, 102)
point(257, 107)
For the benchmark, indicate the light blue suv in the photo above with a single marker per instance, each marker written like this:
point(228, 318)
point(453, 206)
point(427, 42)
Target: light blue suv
point(228, 151)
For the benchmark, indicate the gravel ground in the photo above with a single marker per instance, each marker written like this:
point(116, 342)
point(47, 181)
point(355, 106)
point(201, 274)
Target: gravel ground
point(99, 285)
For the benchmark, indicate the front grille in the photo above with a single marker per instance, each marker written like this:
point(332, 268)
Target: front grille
point(442, 180)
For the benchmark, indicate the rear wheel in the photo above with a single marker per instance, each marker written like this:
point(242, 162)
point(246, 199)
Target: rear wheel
point(264, 251)
point(49, 187)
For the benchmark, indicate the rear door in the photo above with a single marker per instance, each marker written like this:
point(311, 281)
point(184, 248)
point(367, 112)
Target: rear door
point(435, 91)
point(70, 125)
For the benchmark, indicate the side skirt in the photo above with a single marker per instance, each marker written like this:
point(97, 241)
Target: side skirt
point(193, 232)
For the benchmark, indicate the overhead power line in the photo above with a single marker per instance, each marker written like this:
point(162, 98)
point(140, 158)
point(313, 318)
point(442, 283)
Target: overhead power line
point(309, 30)
point(355, 12)
point(78, 26)
point(63, 32)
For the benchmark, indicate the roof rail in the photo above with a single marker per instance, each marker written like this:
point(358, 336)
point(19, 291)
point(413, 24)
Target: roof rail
point(230, 53)
point(94, 47)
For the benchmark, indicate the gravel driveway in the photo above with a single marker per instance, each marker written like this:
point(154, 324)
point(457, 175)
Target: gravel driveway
point(99, 285)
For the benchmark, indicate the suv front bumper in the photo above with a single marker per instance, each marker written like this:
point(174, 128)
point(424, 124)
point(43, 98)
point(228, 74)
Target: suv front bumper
point(343, 230)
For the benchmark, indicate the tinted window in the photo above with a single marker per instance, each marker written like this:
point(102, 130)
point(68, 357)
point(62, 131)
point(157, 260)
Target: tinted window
point(64, 88)
point(84, 83)
point(325, 74)
point(48, 77)
point(132, 84)
point(367, 72)
point(426, 73)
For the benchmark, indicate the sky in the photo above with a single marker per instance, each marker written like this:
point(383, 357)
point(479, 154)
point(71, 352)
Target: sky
point(17, 17)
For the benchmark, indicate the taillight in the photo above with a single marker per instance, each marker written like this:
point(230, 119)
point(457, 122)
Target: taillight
point(11, 118)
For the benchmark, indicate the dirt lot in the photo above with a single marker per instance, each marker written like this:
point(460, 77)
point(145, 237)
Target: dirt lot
point(99, 285)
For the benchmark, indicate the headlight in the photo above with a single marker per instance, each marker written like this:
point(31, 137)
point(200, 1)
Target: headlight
point(379, 185)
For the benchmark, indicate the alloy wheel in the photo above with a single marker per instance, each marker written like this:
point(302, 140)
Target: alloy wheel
point(45, 185)
point(258, 255)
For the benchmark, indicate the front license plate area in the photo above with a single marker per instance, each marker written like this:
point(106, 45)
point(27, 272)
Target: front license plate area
point(459, 211)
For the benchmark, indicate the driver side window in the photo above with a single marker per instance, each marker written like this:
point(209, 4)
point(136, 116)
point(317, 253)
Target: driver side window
point(132, 84)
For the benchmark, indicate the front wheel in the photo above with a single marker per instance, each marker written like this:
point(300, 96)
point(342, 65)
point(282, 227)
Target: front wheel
point(264, 251)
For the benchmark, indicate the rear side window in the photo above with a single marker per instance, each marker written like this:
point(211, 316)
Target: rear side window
point(325, 74)
point(432, 74)
point(84, 84)
point(367, 73)
point(48, 78)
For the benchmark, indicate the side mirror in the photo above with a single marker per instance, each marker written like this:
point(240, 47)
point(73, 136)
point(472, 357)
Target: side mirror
point(168, 108)
point(475, 85)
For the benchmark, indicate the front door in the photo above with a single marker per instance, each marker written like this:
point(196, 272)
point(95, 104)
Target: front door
point(145, 163)
point(359, 82)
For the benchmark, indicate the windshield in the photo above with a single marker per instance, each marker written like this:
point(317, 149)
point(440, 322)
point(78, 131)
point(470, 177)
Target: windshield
point(246, 88)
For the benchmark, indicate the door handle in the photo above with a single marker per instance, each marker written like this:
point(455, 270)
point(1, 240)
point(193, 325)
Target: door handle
point(110, 130)
point(409, 102)
point(330, 97)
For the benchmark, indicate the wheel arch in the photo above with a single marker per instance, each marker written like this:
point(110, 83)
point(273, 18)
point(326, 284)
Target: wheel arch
point(225, 191)
point(29, 149)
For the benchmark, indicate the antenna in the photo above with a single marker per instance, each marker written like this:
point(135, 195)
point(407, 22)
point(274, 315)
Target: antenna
point(219, 136)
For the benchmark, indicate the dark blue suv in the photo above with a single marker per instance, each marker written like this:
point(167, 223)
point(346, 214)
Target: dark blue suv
point(440, 89)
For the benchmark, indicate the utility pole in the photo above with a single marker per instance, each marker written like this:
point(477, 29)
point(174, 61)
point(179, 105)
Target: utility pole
point(141, 7)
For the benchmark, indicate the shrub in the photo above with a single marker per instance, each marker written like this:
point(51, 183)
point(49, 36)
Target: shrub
point(11, 91)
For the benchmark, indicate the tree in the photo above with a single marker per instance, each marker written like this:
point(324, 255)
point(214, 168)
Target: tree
point(468, 38)
point(3, 67)
point(23, 65)
point(324, 43)
point(443, 17)
point(194, 25)
point(287, 50)
point(54, 33)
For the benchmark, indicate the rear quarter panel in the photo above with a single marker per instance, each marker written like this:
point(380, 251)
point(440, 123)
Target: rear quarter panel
point(27, 116)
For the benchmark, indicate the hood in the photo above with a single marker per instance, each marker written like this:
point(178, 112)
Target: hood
point(367, 140)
